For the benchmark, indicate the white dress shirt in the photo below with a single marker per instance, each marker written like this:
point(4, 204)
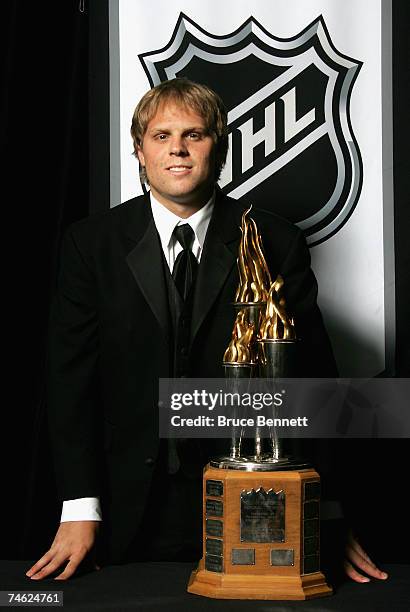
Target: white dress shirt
point(89, 508)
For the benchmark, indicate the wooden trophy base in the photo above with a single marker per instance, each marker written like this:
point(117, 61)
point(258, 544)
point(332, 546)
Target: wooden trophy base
point(261, 536)
point(206, 583)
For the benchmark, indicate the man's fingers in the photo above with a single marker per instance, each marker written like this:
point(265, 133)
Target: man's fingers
point(353, 574)
point(358, 560)
point(70, 568)
point(353, 543)
point(363, 564)
point(51, 567)
point(40, 563)
point(73, 541)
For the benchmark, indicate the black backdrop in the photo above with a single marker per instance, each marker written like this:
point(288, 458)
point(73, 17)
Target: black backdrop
point(49, 180)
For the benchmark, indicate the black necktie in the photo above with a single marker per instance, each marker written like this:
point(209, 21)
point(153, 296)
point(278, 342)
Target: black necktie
point(185, 265)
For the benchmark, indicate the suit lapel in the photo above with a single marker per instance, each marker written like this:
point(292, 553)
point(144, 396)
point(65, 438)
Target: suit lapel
point(218, 258)
point(145, 261)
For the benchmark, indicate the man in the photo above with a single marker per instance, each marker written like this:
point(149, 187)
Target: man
point(144, 292)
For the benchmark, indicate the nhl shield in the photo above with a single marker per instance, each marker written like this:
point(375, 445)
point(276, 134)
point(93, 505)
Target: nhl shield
point(292, 150)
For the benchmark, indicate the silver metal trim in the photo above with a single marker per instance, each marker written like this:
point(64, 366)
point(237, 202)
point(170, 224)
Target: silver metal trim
point(268, 464)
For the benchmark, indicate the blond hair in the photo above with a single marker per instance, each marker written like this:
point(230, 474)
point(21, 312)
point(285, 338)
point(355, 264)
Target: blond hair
point(195, 96)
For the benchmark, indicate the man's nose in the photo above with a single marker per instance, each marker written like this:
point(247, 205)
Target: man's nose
point(178, 146)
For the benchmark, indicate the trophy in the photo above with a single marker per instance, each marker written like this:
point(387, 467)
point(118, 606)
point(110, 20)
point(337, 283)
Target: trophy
point(260, 508)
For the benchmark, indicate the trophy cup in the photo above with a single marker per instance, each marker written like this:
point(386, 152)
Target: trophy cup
point(260, 509)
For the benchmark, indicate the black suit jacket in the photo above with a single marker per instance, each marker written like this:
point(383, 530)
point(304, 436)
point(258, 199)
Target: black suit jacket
point(111, 340)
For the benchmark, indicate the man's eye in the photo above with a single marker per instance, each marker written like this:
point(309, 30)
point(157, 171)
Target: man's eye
point(194, 135)
point(161, 136)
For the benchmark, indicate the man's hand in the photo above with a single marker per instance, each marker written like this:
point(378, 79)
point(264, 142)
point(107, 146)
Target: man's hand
point(356, 556)
point(73, 541)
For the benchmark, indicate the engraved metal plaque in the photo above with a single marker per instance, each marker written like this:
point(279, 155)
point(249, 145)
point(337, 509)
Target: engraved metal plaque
point(311, 564)
point(213, 563)
point(282, 557)
point(213, 546)
point(311, 528)
point(312, 490)
point(243, 556)
point(214, 507)
point(311, 509)
point(215, 488)
point(311, 546)
point(262, 516)
point(214, 528)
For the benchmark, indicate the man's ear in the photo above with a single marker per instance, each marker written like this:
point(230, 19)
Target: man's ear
point(140, 154)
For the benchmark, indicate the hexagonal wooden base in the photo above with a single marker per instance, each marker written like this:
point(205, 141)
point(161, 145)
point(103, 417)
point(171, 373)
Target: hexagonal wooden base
point(223, 586)
point(219, 575)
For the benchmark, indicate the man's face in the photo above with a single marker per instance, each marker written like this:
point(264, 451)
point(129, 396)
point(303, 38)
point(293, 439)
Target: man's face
point(179, 157)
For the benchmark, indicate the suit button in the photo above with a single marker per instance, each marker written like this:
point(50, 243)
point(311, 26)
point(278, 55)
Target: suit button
point(184, 351)
point(149, 461)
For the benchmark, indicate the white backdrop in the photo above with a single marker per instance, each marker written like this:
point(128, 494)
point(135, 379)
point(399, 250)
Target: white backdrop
point(355, 267)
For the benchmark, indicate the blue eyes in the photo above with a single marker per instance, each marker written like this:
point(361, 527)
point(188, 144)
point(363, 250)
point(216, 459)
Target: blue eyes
point(190, 136)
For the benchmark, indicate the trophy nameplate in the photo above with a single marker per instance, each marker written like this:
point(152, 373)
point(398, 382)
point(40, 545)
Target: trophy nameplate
point(262, 516)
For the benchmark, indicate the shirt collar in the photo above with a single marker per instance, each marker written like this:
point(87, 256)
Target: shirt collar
point(166, 221)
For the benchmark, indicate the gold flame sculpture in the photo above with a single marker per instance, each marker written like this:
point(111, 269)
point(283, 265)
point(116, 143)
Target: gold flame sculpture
point(275, 322)
point(240, 348)
point(256, 286)
point(254, 276)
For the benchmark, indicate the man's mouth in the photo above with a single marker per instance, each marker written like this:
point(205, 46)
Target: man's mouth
point(179, 169)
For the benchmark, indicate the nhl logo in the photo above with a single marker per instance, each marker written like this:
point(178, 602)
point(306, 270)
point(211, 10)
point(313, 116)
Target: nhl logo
point(291, 145)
